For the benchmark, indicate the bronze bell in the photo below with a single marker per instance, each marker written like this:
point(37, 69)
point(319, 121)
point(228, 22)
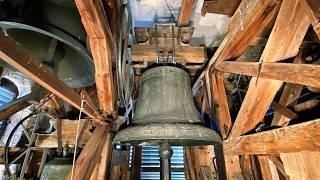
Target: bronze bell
point(165, 112)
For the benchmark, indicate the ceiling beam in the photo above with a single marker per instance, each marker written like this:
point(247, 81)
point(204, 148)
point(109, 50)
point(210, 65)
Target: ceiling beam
point(185, 13)
point(305, 74)
point(21, 59)
point(247, 23)
point(226, 7)
point(103, 50)
point(295, 138)
point(293, 22)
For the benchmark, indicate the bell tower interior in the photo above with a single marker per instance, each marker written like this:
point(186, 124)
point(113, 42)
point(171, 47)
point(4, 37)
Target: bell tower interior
point(159, 89)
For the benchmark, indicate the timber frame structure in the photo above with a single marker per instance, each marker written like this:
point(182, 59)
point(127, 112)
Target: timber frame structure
point(278, 25)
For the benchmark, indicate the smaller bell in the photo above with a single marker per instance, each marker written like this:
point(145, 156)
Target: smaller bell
point(165, 112)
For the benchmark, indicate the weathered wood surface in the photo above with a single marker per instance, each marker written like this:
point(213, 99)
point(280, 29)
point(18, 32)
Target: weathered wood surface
point(103, 50)
point(301, 165)
point(262, 91)
point(90, 155)
point(226, 7)
point(185, 12)
point(305, 74)
point(220, 103)
point(183, 54)
point(68, 135)
point(13, 54)
point(296, 138)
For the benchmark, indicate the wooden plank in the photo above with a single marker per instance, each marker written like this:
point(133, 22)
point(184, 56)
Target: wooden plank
point(102, 170)
point(265, 167)
point(18, 57)
point(103, 50)
point(306, 105)
point(261, 92)
point(90, 155)
point(283, 110)
point(220, 103)
point(301, 165)
point(68, 135)
point(250, 19)
point(305, 74)
point(183, 54)
point(15, 106)
point(226, 7)
point(233, 168)
point(185, 12)
point(295, 138)
point(292, 21)
point(290, 93)
point(279, 165)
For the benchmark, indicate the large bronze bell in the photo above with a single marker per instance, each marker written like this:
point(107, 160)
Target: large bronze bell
point(165, 112)
point(53, 33)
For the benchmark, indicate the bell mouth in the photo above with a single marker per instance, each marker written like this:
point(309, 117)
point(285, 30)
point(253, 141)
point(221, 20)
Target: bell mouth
point(176, 134)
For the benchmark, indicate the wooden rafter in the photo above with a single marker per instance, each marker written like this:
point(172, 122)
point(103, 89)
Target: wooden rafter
point(295, 138)
point(103, 50)
point(262, 91)
point(185, 12)
point(18, 57)
point(305, 74)
point(220, 103)
point(90, 155)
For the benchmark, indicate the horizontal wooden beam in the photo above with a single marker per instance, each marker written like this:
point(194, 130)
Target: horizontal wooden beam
point(68, 135)
point(15, 106)
point(183, 54)
point(295, 138)
point(13, 54)
point(306, 74)
point(226, 7)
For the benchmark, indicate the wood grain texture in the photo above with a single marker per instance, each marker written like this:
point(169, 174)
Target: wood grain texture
point(220, 103)
point(18, 57)
point(226, 7)
point(68, 135)
point(90, 155)
point(185, 13)
point(305, 74)
point(301, 165)
point(292, 21)
point(295, 138)
point(102, 47)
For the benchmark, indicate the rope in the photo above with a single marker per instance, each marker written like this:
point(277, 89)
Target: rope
point(76, 144)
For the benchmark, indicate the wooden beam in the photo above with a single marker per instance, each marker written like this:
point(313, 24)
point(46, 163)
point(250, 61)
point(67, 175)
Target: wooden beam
point(15, 106)
point(295, 138)
point(90, 155)
point(226, 7)
point(293, 21)
point(68, 135)
point(247, 23)
point(307, 105)
point(283, 110)
point(305, 74)
point(185, 13)
point(18, 57)
point(183, 54)
point(220, 103)
point(302, 165)
point(290, 93)
point(103, 50)
point(262, 91)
